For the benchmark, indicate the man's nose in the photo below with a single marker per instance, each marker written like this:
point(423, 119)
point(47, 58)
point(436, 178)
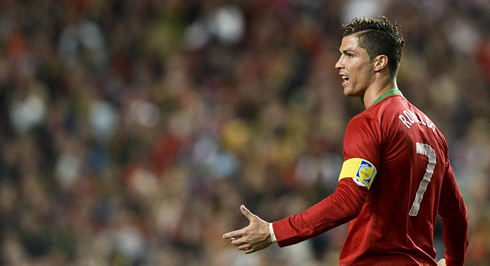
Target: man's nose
point(339, 64)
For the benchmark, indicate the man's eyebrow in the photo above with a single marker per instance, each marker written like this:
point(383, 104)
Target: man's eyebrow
point(347, 51)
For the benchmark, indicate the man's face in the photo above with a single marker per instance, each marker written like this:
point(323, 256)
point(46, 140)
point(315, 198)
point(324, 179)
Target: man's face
point(355, 67)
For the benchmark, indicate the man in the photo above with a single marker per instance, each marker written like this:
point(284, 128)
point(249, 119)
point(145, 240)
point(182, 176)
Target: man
point(396, 176)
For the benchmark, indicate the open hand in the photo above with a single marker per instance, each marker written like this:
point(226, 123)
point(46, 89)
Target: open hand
point(254, 237)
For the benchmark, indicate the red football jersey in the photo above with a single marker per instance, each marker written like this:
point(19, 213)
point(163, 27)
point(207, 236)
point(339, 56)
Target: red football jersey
point(395, 180)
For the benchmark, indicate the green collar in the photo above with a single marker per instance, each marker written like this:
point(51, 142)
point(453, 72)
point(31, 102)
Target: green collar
point(393, 91)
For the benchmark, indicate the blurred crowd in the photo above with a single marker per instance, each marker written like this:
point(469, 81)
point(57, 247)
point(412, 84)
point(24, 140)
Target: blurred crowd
point(132, 131)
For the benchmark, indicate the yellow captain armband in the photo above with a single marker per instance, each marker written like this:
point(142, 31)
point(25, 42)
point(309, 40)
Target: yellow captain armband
point(360, 170)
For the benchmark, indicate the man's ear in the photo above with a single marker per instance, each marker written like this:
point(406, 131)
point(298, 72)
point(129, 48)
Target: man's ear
point(380, 63)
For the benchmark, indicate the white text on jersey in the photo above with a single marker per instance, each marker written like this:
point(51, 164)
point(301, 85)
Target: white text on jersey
point(409, 118)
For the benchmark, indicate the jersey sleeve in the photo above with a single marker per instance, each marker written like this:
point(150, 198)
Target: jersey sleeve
point(454, 218)
point(362, 149)
point(340, 207)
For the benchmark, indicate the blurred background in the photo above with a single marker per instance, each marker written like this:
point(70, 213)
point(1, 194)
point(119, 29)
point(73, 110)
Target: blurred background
point(132, 131)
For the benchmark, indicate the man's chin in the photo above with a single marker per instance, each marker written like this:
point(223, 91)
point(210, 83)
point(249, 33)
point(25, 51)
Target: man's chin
point(350, 93)
point(347, 92)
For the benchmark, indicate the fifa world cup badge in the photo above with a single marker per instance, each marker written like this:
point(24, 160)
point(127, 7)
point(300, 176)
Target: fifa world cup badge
point(365, 173)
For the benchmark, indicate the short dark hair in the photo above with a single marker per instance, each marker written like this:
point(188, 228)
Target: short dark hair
point(378, 37)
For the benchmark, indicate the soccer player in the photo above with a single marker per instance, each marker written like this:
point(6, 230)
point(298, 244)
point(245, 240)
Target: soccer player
point(396, 176)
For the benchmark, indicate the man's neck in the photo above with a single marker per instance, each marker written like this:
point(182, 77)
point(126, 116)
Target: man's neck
point(376, 90)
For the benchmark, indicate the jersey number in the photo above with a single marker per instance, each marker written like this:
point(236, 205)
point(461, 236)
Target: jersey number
point(428, 151)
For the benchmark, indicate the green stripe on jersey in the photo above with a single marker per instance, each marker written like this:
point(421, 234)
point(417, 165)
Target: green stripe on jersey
point(393, 91)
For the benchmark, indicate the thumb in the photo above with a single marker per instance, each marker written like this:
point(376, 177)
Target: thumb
point(247, 213)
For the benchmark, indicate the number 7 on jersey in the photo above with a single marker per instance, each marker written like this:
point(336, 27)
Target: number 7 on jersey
point(427, 150)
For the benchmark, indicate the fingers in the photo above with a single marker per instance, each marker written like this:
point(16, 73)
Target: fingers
point(246, 248)
point(248, 251)
point(238, 242)
point(234, 234)
point(241, 243)
point(244, 244)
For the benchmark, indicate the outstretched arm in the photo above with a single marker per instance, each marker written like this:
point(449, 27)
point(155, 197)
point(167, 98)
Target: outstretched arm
point(343, 205)
point(340, 207)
